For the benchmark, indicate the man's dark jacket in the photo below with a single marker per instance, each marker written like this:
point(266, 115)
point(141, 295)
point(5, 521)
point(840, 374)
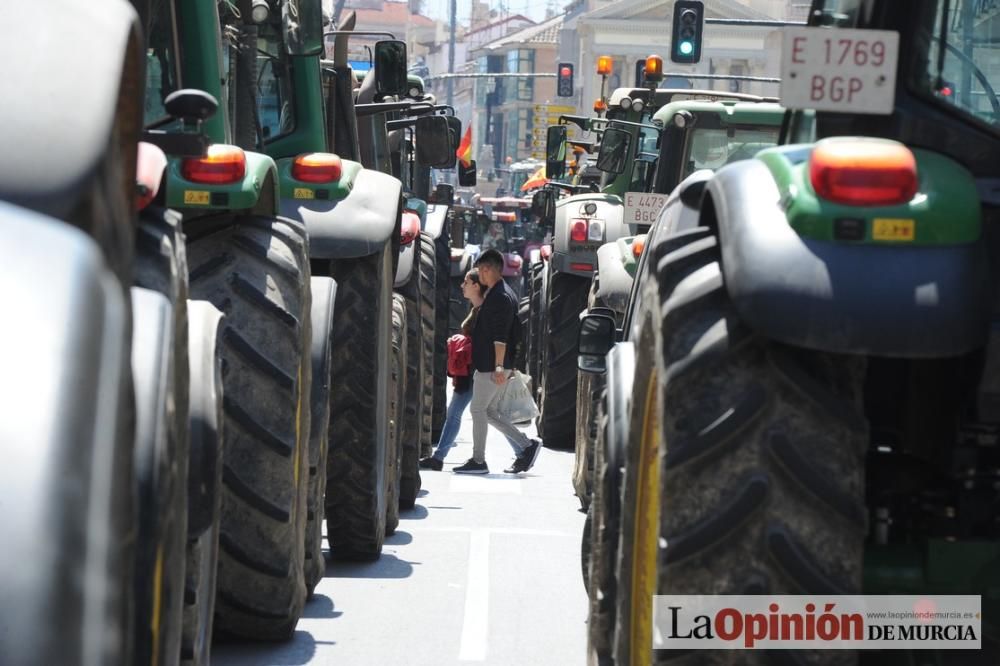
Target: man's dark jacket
point(497, 322)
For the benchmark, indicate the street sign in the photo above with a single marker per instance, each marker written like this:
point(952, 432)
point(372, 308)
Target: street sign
point(642, 208)
point(542, 109)
point(847, 71)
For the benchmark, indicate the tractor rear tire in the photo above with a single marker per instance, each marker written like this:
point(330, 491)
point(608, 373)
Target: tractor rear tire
point(521, 357)
point(161, 473)
point(204, 481)
point(409, 484)
point(256, 270)
point(428, 299)
point(764, 476)
point(535, 321)
point(601, 585)
point(458, 307)
point(589, 387)
point(394, 452)
point(324, 295)
point(359, 430)
point(568, 298)
point(442, 255)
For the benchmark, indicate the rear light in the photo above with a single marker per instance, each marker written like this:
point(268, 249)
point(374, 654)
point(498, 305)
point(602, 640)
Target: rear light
point(578, 231)
point(595, 231)
point(863, 172)
point(638, 244)
point(546, 251)
point(317, 168)
point(223, 164)
point(409, 228)
point(581, 267)
point(514, 261)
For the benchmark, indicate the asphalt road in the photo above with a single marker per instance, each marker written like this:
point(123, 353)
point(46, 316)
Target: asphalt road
point(485, 570)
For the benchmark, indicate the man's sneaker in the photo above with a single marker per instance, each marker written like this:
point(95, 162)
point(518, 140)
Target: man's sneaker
point(431, 463)
point(472, 467)
point(530, 454)
point(519, 465)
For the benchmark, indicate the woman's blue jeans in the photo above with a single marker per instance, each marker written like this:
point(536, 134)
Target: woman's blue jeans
point(453, 423)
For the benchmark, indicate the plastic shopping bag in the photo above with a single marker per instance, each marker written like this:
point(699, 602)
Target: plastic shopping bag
point(514, 404)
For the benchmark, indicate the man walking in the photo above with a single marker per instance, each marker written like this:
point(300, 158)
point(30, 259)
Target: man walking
point(493, 364)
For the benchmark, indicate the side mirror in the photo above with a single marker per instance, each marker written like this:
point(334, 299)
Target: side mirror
point(555, 152)
point(543, 204)
point(454, 132)
point(595, 340)
point(390, 67)
point(433, 146)
point(467, 174)
point(303, 25)
point(615, 145)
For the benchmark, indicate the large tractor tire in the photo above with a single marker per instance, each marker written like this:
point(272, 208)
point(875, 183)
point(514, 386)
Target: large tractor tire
point(603, 550)
point(324, 296)
point(567, 299)
point(535, 321)
point(458, 307)
point(764, 475)
point(160, 371)
point(589, 387)
point(394, 453)
point(442, 256)
point(428, 319)
point(205, 419)
point(66, 484)
point(256, 270)
point(359, 429)
point(523, 313)
point(409, 484)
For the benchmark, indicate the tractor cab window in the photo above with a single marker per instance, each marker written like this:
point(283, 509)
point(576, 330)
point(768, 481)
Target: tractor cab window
point(162, 70)
point(962, 65)
point(274, 84)
point(712, 148)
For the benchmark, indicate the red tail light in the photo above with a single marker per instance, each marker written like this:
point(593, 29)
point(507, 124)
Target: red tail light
point(317, 168)
point(222, 165)
point(514, 261)
point(546, 251)
point(863, 172)
point(410, 227)
point(578, 231)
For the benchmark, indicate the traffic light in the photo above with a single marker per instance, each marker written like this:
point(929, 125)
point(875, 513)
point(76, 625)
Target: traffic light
point(689, 16)
point(564, 85)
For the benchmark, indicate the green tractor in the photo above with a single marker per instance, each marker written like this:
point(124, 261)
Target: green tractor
point(804, 398)
point(582, 223)
point(698, 136)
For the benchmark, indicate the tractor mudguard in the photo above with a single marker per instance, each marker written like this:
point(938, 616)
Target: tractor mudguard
point(461, 265)
point(404, 268)
point(678, 214)
point(620, 373)
point(881, 299)
point(242, 195)
point(57, 118)
point(435, 220)
point(615, 282)
point(355, 226)
point(66, 481)
point(609, 212)
point(205, 436)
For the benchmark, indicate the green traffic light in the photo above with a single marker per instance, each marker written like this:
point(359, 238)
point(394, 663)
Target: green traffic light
point(686, 48)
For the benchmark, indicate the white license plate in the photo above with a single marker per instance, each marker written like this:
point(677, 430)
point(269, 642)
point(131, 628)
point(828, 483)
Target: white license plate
point(643, 208)
point(849, 71)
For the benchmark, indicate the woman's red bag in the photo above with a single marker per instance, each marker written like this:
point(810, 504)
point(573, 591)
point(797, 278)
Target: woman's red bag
point(459, 355)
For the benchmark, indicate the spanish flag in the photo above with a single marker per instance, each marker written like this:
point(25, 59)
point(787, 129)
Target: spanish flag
point(464, 152)
point(537, 179)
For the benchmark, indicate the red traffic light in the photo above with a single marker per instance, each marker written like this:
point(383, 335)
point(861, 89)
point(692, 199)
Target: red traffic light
point(565, 71)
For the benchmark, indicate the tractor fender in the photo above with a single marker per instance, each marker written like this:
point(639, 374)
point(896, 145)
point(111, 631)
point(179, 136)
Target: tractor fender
point(678, 213)
point(205, 433)
point(461, 262)
point(258, 189)
point(620, 373)
point(53, 144)
point(894, 300)
point(65, 414)
point(357, 225)
point(615, 282)
point(609, 212)
point(435, 219)
point(407, 260)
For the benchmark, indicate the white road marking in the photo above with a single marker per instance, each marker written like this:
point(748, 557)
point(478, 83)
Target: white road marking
point(475, 622)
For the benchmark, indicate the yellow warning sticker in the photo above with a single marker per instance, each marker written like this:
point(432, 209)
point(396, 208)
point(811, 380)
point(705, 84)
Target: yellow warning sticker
point(891, 229)
point(304, 193)
point(197, 197)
